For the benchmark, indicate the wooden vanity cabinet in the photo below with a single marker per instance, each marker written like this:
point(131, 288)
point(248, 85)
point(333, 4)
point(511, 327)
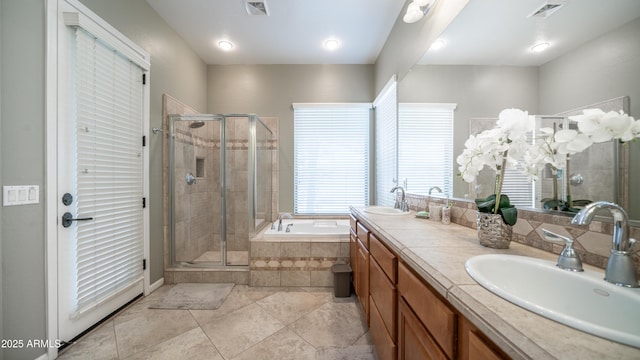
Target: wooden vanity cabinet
point(383, 299)
point(407, 318)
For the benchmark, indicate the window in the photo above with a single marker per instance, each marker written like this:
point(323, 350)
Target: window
point(386, 112)
point(425, 147)
point(331, 157)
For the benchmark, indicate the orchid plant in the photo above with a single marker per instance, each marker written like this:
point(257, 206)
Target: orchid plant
point(496, 149)
point(555, 148)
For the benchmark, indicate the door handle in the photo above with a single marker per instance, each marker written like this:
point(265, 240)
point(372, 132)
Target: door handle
point(67, 219)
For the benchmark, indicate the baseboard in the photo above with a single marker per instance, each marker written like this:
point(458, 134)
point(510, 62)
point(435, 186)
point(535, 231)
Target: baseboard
point(156, 285)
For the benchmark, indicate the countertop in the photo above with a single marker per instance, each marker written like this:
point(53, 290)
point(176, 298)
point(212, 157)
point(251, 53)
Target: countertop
point(437, 252)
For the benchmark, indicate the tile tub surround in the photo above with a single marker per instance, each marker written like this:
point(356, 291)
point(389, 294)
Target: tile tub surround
point(592, 242)
point(296, 261)
point(437, 253)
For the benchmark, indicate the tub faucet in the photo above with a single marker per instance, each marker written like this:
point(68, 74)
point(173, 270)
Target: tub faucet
point(435, 188)
point(620, 268)
point(283, 216)
point(401, 203)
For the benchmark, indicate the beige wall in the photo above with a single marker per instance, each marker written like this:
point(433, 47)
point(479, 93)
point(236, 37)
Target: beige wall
point(269, 91)
point(176, 70)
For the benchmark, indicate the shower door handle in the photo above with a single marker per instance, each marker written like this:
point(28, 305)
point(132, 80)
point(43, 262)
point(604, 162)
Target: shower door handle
point(67, 219)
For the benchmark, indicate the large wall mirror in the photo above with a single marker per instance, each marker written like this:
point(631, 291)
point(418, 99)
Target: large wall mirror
point(487, 65)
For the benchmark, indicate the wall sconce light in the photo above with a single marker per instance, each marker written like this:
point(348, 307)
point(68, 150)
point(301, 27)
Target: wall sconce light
point(417, 10)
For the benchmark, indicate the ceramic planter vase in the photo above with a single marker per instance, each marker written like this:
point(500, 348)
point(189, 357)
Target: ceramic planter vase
point(492, 231)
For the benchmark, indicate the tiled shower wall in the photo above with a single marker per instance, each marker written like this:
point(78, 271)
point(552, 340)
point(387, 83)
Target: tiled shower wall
point(592, 242)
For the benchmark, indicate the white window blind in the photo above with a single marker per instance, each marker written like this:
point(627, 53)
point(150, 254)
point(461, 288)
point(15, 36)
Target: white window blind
point(109, 171)
point(425, 146)
point(517, 185)
point(386, 126)
point(331, 157)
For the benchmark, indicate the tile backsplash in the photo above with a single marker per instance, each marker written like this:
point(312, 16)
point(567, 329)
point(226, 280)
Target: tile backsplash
point(592, 242)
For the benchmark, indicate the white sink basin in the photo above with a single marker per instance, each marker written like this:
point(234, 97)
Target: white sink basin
point(581, 300)
point(385, 210)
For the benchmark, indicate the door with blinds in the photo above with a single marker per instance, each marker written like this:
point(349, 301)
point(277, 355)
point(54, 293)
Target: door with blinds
point(101, 172)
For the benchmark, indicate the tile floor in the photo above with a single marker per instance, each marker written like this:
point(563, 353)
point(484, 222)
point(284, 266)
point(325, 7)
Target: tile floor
point(252, 323)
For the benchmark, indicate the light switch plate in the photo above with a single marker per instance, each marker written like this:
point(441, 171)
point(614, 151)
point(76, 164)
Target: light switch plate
point(20, 195)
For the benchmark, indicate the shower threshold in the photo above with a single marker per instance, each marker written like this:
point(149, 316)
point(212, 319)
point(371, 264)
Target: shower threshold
point(212, 259)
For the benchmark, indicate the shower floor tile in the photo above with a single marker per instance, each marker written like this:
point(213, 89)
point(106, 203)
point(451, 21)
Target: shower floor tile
point(253, 322)
point(233, 257)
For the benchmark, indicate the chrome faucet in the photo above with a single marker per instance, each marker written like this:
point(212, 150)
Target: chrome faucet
point(620, 267)
point(435, 188)
point(283, 216)
point(401, 203)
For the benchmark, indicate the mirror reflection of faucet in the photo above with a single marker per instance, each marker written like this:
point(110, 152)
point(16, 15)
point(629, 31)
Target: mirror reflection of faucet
point(401, 203)
point(620, 267)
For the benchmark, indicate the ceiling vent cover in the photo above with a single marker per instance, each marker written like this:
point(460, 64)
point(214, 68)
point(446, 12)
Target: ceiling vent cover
point(258, 8)
point(547, 9)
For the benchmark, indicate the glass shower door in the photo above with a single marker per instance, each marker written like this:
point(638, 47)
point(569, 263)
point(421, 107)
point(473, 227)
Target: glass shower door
point(196, 201)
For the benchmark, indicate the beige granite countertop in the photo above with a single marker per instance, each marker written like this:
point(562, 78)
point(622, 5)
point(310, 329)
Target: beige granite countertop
point(438, 252)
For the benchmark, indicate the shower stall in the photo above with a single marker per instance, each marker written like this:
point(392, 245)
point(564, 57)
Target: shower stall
point(220, 188)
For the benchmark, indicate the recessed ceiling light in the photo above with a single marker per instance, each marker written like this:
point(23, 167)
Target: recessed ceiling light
point(437, 45)
point(225, 45)
point(331, 44)
point(540, 47)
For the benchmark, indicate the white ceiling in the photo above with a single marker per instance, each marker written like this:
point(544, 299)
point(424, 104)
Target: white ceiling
point(487, 32)
point(498, 32)
point(293, 33)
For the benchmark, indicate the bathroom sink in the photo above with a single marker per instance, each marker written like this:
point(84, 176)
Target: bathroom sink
point(385, 210)
point(582, 300)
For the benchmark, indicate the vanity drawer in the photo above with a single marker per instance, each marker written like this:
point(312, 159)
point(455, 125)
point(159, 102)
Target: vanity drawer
point(363, 234)
point(384, 295)
point(352, 222)
point(436, 316)
point(385, 258)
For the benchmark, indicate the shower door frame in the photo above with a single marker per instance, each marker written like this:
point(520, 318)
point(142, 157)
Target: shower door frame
point(172, 181)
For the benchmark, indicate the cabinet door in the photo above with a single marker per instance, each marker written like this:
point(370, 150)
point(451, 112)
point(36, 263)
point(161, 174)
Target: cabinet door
point(385, 347)
point(363, 279)
point(432, 311)
point(414, 341)
point(474, 346)
point(353, 259)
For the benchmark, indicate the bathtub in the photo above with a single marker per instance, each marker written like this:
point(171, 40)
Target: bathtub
point(301, 257)
point(316, 227)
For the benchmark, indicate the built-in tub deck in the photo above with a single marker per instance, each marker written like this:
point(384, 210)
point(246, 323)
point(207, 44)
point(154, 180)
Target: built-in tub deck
point(301, 257)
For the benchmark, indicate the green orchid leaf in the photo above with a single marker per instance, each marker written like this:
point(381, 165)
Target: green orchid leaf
point(487, 206)
point(509, 215)
point(504, 201)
